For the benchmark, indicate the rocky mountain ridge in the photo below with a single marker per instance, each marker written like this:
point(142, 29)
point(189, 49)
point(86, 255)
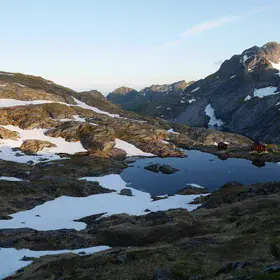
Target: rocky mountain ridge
point(242, 96)
point(150, 100)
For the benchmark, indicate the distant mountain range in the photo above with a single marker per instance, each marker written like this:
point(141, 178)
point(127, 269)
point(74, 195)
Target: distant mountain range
point(153, 100)
point(242, 96)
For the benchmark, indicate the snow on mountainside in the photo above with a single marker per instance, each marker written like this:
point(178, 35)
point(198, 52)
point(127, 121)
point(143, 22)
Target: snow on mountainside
point(243, 92)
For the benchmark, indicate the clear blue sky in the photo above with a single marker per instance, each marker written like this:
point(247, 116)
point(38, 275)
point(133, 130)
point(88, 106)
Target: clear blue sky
point(102, 44)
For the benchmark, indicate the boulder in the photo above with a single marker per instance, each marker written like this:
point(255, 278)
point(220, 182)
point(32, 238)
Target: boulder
point(117, 154)
point(33, 146)
point(167, 169)
point(126, 192)
point(222, 146)
point(8, 134)
point(153, 167)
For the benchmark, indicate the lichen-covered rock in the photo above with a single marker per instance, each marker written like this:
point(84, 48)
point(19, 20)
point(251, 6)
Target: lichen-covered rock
point(126, 192)
point(33, 146)
point(8, 134)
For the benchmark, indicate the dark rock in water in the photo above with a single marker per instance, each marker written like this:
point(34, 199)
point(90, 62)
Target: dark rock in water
point(126, 192)
point(167, 169)
point(153, 167)
point(192, 190)
point(163, 274)
point(129, 160)
point(222, 157)
point(258, 162)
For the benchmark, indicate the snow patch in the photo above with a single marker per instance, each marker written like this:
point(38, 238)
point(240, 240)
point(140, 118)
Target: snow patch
point(11, 258)
point(196, 186)
point(130, 149)
point(232, 76)
point(94, 109)
point(191, 100)
point(12, 179)
point(209, 110)
point(4, 103)
point(19, 85)
point(79, 119)
point(164, 142)
point(171, 130)
point(13, 102)
point(196, 89)
point(62, 146)
point(267, 91)
point(276, 66)
point(61, 212)
point(247, 98)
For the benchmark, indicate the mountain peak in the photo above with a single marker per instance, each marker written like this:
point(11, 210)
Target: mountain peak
point(123, 90)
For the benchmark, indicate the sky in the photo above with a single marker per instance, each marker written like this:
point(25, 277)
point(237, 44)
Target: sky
point(104, 44)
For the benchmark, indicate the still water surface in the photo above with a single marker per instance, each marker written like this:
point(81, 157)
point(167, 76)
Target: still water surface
point(198, 168)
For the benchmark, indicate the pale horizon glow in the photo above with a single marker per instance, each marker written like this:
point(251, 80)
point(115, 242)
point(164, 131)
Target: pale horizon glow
point(102, 45)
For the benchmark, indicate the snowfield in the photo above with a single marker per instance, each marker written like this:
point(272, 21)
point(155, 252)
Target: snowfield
point(11, 258)
point(94, 109)
point(7, 145)
point(61, 212)
point(209, 111)
point(4, 103)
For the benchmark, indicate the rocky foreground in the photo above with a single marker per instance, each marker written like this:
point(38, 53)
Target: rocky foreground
point(232, 235)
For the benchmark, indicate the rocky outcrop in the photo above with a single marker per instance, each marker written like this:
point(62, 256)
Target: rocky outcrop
point(33, 146)
point(242, 94)
point(192, 190)
point(8, 134)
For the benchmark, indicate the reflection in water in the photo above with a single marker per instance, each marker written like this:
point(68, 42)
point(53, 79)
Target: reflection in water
point(198, 168)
